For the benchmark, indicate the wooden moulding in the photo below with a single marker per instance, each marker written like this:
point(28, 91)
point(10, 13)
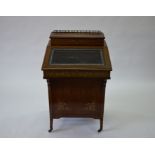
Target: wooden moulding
point(76, 73)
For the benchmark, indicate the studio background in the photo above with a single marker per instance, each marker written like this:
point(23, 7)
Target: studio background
point(130, 94)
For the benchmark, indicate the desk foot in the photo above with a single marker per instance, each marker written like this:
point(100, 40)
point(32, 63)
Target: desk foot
point(50, 130)
point(99, 130)
point(101, 125)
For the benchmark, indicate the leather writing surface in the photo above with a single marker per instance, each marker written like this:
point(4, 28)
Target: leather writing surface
point(76, 56)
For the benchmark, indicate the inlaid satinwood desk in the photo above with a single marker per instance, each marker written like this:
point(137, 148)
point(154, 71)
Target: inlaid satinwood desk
point(76, 65)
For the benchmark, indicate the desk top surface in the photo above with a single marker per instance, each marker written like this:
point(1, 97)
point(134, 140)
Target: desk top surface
point(77, 34)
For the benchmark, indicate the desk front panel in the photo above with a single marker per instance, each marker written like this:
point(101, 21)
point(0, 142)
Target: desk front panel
point(77, 97)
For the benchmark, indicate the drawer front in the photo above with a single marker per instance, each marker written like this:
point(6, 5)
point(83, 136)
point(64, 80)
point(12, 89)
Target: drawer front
point(77, 42)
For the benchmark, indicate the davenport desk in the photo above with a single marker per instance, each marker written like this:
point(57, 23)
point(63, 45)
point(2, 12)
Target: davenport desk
point(76, 65)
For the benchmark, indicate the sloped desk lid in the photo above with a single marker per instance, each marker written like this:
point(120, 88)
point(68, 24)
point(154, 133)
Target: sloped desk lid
point(73, 58)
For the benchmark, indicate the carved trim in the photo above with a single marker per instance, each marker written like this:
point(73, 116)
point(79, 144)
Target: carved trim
point(78, 31)
point(91, 106)
point(62, 106)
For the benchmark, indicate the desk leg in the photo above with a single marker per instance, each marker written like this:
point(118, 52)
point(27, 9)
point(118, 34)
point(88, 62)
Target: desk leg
point(101, 125)
point(51, 125)
point(50, 105)
point(102, 100)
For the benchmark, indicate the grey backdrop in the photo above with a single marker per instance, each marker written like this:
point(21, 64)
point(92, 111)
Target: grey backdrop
point(130, 94)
